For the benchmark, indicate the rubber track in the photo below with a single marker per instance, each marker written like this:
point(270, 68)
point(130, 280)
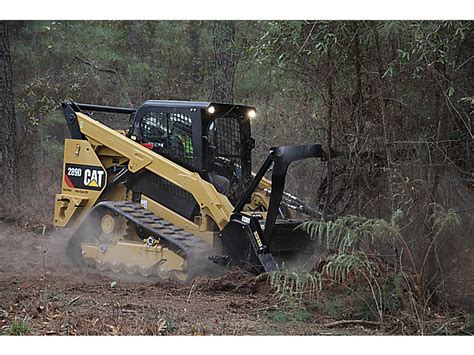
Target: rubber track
point(195, 251)
point(174, 238)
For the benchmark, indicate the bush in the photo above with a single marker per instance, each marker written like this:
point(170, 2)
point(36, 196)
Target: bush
point(363, 284)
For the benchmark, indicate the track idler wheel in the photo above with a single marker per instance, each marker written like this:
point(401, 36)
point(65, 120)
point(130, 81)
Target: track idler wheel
point(162, 273)
point(180, 276)
point(116, 267)
point(102, 265)
point(146, 271)
point(130, 269)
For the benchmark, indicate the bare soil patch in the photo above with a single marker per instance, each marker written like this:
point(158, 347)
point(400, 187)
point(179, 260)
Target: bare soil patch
point(39, 289)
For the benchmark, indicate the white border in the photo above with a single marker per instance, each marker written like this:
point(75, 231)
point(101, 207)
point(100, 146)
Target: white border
point(268, 345)
point(237, 9)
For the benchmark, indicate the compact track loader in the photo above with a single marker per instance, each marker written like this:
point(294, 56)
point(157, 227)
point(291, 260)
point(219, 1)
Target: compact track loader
point(174, 194)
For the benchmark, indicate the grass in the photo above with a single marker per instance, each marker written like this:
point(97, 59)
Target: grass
point(170, 327)
point(280, 316)
point(469, 327)
point(331, 306)
point(301, 315)
point(18, 327)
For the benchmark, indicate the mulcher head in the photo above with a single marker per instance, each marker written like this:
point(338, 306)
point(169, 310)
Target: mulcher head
point(263, 245)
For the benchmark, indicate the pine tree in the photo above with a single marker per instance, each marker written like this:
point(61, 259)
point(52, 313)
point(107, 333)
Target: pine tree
point(7, 121)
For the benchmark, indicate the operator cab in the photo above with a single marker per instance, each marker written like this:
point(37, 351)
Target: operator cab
point(211, 139)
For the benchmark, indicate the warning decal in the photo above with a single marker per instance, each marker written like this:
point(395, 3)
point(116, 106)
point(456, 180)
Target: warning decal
point(85, 177)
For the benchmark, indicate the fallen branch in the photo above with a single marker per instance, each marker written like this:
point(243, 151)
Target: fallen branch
point(129, 311)
point(74, 300)
point(190, 292)
point(352, 322)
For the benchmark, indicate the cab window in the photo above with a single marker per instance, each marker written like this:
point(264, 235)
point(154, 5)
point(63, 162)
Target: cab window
point(171, 133)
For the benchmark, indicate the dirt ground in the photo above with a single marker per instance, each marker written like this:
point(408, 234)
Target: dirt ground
point(48, 297)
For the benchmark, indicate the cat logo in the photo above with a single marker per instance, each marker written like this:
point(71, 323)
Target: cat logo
point(93, 178)
point(85, 177)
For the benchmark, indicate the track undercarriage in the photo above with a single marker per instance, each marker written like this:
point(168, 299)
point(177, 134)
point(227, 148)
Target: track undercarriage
point(125, 237)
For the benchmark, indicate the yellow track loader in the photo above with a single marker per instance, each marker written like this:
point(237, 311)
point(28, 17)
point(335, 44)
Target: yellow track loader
point(174, 193)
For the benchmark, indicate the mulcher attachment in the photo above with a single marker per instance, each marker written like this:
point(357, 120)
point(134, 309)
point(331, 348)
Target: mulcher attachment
point(263, 245)
point(242, 241)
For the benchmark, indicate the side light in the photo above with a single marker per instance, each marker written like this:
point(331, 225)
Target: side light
point(251, 113)
point(211, 109)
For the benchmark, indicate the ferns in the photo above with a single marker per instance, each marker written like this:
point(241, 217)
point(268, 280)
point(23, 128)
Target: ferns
point(441, 219)
point(294, 285)
point(345, 234)
point(339, 266)
point(348, 266)
point(342, 236)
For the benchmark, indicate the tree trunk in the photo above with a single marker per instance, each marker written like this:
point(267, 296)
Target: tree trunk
point(357, 118)
point(386, 125)
point(331, 99)
point(7, 122)
point(225, 61)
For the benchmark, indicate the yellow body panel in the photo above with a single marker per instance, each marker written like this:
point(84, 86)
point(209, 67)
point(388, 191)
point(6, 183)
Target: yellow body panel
point(72, 201)
point(130, 254)
point(66, 207)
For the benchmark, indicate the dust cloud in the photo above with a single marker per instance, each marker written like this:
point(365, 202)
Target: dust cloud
point(25, 252)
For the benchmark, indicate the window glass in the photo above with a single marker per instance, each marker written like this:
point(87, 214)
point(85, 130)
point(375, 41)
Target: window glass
point(171, 133)
point(225, 136)
point(224, 133)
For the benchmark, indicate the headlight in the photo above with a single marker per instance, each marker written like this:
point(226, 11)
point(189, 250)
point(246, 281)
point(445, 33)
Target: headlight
point(211, 109)
point(251, 113)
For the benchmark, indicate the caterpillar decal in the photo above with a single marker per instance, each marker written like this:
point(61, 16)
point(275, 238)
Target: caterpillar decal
point(86, 177)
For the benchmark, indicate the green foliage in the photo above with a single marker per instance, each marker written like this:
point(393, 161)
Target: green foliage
point(469, 327)
point(366, 306)
point(339, 266)
point(349, 266)
point(170, 326)
point(51, 142)
point(293, 285)
point(279, 316)
point(345, 233)
point(397, 283)
point(332, 306)
point(18, 327)
point(442, 220)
